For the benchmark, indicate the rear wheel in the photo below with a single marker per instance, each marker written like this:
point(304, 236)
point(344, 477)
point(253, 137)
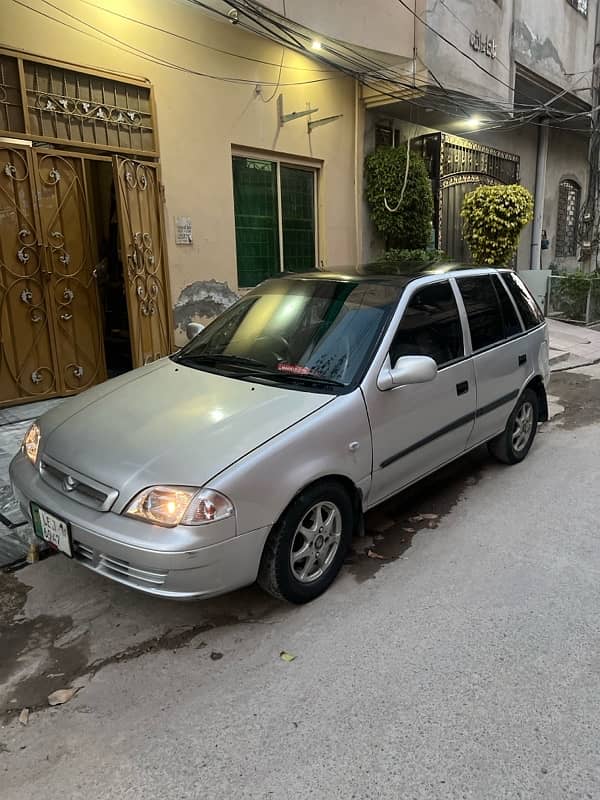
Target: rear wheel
point(307, 547)
point(515, 441)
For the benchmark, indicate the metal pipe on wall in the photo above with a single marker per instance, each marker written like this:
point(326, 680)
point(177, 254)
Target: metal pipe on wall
point(540, 191)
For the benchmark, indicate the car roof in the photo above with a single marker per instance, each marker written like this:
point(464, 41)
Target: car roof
point(389, 273)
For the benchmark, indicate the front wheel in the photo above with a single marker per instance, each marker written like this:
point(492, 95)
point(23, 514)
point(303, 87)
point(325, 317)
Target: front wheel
point(515, 441)
point(306, 548)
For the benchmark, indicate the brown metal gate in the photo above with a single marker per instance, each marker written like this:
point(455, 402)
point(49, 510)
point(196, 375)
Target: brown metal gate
point(51, 340)
point(50, 331)
point(144, 259)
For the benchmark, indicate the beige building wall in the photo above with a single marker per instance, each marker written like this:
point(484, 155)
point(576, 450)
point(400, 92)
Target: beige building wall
point(200, 119)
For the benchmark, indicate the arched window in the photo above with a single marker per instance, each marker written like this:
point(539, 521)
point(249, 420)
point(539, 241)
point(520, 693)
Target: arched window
point(569, 198)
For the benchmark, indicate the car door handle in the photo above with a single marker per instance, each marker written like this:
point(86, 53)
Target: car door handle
point(462, 388)
point(522, 360)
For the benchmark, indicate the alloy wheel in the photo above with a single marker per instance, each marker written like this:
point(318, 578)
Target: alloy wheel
point(316, 542)
point(522, 427)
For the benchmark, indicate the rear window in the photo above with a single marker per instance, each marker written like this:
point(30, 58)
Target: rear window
point(483, 311)
point(528, 309)
point(512, 326)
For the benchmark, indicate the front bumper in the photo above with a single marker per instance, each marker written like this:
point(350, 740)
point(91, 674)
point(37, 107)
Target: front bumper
point(179, 563)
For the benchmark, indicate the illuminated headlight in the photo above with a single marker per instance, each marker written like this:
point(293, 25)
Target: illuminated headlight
point(31, 443)
point(179, 505)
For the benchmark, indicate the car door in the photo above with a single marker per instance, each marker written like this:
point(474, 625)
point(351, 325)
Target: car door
point(419, 427)
point(499, 351)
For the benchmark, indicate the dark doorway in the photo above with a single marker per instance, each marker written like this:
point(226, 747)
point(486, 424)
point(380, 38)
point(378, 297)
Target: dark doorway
point(109, 269)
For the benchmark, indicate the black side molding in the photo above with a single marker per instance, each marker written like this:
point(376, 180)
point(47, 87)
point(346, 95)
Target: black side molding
point(458, 423)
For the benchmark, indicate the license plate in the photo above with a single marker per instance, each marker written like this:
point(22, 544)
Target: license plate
point(51, 529)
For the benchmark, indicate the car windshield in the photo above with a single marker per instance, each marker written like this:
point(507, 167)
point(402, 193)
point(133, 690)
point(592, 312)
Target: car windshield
point(297, 331)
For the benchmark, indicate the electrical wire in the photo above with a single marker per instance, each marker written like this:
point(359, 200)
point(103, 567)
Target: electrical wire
point(291, 41)
point(469, 30)
point(366, 63)
point(193, 41)
point(276, 89)
point(148, 56)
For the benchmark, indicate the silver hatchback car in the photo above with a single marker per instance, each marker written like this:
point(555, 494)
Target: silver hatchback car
point(253, 452)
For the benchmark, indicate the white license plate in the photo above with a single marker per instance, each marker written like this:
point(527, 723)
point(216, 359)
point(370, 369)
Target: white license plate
point(53, 530)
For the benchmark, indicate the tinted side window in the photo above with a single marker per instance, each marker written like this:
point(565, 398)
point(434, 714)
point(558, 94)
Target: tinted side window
point(430, 326)
point(512, 326)
point(483, 311)
point(528, 308)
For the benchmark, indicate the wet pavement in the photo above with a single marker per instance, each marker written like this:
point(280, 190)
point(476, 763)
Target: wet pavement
point(454, 657)
point(45, 650)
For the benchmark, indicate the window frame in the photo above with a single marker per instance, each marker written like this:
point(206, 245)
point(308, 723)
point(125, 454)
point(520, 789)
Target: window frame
point(466, 324)
point(511, 275)
point(504, 288)
point(459, 310)
point(280, 160)
point(565, 246)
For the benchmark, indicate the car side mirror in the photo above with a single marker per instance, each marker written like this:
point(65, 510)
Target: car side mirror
point(193, 329)
point(407, 370)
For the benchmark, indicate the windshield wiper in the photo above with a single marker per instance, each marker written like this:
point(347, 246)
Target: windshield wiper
point(298, 376)
point(257, 367)
point(224, 358)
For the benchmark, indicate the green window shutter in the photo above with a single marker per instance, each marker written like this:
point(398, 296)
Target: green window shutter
point(298, 218)
point(256, 223)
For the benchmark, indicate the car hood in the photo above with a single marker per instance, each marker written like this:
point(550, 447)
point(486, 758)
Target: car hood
point(168, 423)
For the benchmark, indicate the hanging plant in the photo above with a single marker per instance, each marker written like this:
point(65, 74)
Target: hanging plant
point(403, 218)
point(493, 218)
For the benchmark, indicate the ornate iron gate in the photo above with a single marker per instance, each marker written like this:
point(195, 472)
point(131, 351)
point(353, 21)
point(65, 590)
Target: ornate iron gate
point(72, 294)
point(146, 279)
point(27, 352)
point(50, 332)
point(456, 166)
point(51, 340)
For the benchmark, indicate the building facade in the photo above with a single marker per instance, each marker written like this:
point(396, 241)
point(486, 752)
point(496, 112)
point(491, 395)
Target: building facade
point(140, 143)
point(159, 158)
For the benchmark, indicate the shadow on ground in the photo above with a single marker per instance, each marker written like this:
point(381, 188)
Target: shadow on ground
point(60, 624)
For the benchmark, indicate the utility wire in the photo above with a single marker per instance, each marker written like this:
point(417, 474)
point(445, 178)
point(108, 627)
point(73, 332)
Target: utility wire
point(148, 56)
point(193, 41)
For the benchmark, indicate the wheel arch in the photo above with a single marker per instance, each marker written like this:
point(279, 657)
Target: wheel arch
point(355, 494)
point(536, 384)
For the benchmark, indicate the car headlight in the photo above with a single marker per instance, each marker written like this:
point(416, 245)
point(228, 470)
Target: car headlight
point(179, 505)
point(31, 443)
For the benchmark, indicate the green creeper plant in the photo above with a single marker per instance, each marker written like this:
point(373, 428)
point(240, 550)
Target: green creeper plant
point(408, 226)
point(493, 218)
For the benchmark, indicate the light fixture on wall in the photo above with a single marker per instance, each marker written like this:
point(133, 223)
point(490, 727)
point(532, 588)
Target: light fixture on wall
point(473, 123)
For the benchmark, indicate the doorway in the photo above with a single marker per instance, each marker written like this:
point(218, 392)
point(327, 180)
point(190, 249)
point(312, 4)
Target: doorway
point(110, 276)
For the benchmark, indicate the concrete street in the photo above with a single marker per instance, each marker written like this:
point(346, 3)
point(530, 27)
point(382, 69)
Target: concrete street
point(463, 664)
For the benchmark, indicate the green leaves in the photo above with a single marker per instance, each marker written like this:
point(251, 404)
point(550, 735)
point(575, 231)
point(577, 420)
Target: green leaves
point(409, 227)
point(493, 218)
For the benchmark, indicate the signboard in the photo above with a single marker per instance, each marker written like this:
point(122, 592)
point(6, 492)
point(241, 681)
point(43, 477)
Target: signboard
point(183, 230)
point(483, 44)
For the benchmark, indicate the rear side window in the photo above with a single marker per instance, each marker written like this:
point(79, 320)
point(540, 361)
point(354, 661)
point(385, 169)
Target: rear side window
point(512, 326)
point(483, 310)
point(528, 308)
point(430, 326)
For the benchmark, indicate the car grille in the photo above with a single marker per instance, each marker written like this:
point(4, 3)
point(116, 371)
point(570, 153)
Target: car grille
point(117, 568)
point(78, 487)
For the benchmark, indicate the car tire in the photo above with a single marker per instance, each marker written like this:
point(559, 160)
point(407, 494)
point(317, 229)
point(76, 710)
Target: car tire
point(306, 548)
point(513, 444)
